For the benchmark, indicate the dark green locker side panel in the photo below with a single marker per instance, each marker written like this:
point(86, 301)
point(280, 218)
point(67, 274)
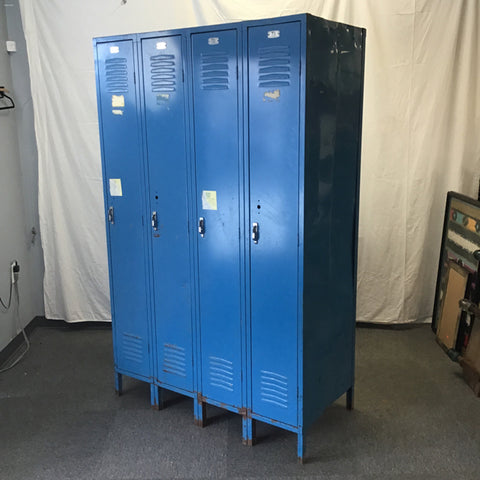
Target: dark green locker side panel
point(334, 98)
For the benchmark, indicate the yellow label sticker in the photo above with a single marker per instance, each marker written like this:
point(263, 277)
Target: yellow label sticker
point(115, 187)
point(118, 101)
point(209, 200)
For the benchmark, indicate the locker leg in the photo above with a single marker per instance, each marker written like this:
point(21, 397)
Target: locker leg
point(248, 431)
point(199, 412)
point(350, 398)
point(300, 446)
point(157, 397)
point(118, 383)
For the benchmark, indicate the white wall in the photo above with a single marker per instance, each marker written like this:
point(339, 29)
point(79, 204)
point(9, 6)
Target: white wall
point(18, 184)
point(421, 137)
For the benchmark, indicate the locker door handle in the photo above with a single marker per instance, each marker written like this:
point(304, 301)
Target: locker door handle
point(111, 218)
point(255, 232)
point(201, 226)
point(154, 221)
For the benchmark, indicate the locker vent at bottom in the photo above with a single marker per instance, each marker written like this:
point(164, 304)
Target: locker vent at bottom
point(274, 388)
point(221, 373)
point(132, 347)
point(174, 360)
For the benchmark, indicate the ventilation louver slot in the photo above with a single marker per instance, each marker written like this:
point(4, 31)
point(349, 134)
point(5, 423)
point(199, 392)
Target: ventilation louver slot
point(116, 75)
point(221, 373)
point(215, 71)
point(174, 360)
point(132, 348)
point(273, 388)
point(274, 67)
point(163, 73)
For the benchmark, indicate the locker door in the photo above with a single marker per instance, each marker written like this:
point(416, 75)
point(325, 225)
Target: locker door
point(216, 99)
point(273, 91)
point(124, 191)
point(164, 97)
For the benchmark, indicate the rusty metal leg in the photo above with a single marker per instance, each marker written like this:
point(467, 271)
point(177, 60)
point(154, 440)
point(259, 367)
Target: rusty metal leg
point(350, 398)
point(300, 446)
point(199, 412)
point(156, 397)
point(244, 430)
point(118, 383)
point(248, 431)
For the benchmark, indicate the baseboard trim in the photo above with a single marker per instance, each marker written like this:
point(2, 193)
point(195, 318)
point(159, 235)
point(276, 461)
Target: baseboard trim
point(390, 326)
point(62, 324)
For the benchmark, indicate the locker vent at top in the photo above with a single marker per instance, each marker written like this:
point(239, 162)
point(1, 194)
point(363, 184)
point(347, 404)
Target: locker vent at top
point(215, 71)
point(116, 75)
point(274, 66)
point(163, 73)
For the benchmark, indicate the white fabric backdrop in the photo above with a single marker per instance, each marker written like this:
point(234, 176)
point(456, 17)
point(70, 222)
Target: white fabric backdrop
point(421, 136)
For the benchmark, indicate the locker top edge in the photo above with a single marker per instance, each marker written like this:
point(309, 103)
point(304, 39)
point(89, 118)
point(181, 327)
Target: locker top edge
point(114, 38)
point(305, 17)
point(331, 23)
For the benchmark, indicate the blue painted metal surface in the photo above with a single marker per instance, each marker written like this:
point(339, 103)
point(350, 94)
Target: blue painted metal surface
point(332, 168)
point(261, 141)
point(166, 135)
point(125, 205)
point(218, 168)
point(274, 108)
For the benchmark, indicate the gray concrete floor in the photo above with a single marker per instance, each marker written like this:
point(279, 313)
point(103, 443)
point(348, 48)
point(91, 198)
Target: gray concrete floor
point(414, 417)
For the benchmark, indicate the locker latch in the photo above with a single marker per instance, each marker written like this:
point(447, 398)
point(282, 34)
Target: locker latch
point(255, 232)
point(110, 216)
point(201, 226)
point(154, 221)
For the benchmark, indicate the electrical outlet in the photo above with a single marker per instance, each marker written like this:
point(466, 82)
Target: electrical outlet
point(11, 46)
point(15, 271)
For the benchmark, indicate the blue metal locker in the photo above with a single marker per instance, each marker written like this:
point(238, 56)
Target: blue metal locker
point(218, 171)
point(166, 132)
point(274, 114)
point(305, 82)
point(124, 188)
point(245, 248)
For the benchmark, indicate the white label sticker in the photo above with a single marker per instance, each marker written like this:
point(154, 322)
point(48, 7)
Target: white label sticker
point(161, 45)
point(273, 34)
point(117, 112)
point(114, 49)
point(162, 98)
point(118, 101)
point(209, 200)
point(213, 41)
point(115, 187)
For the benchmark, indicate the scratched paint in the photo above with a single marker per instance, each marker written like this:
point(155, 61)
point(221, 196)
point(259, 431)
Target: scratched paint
point(275, 95)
